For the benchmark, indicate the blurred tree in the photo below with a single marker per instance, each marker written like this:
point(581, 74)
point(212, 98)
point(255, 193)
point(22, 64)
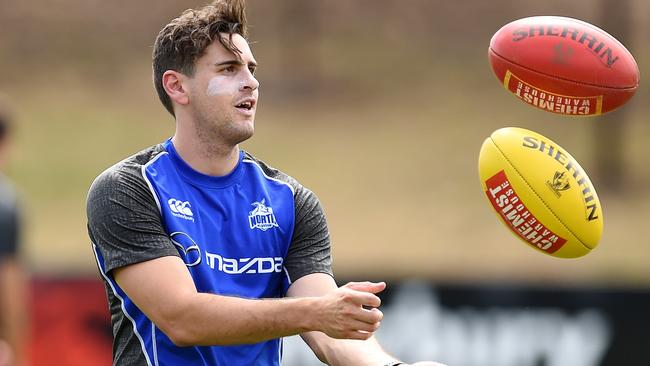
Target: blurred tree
point(608, 131)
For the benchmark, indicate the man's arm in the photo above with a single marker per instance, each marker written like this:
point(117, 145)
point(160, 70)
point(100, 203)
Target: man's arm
point(163, 289)
point(14, 284)
point(342, 351)
point(328, 350)
point(14, 308)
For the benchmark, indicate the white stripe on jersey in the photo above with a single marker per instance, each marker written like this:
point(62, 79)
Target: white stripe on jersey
point(267, 177)
point(144, 175)
point(135, 328)
point(153, 341)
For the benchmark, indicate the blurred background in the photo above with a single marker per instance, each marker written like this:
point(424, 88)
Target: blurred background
point(378, 106)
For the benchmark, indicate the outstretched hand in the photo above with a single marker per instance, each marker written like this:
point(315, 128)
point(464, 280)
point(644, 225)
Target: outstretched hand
point(351, 311)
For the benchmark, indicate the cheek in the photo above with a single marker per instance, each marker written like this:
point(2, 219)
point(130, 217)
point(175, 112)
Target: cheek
point(217, 86)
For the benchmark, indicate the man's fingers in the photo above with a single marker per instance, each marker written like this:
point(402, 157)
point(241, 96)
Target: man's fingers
point(359, 335)
point(364, 299)
point(363, 292)
point(364, 327)
point(372, 287)
point(371, 316)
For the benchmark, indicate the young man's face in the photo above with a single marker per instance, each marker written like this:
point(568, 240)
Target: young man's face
point(223, 93)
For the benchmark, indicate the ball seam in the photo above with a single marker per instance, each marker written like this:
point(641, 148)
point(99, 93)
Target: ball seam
point(538, 196)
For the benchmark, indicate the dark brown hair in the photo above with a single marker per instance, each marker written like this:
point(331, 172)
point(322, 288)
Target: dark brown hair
point(181, 42)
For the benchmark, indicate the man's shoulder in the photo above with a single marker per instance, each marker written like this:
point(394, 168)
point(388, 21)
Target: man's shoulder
point(127, 172)
point(302, 195)
point(271, 172)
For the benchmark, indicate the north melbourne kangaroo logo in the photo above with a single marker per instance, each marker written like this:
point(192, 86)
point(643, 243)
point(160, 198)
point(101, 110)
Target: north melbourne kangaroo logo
point(181, 209)
point(262, 217)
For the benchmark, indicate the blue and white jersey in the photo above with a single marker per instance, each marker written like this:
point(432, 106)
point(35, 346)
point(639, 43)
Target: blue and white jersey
point(248, 234)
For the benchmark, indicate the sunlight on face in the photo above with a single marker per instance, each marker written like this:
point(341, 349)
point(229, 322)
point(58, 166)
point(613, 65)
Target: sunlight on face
point(224, 92)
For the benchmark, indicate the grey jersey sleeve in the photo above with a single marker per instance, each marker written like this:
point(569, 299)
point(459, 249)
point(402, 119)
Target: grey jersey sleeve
point(9, 227)
point(310, 250)
point(124, 221)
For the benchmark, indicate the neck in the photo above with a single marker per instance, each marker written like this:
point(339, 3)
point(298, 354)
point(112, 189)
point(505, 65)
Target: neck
point(207, 157)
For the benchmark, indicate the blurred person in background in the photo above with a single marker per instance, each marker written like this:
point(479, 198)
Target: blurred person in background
point(13, 280)
point(209, 255)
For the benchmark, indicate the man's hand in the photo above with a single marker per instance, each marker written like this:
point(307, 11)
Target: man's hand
point(351, 311)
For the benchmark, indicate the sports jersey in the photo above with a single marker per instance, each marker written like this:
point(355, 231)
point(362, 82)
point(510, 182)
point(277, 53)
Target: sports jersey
point(9, 219)
point(247, 234)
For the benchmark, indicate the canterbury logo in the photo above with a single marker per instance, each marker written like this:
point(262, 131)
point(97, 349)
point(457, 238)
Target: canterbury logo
point(181, 209)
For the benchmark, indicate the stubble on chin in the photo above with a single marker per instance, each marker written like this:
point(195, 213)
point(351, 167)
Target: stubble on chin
point(219, 138)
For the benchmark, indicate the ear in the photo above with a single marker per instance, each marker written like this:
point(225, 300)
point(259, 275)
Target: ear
point(173, 82)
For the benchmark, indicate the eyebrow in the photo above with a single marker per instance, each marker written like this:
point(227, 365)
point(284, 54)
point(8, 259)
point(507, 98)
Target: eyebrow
point(235, 62)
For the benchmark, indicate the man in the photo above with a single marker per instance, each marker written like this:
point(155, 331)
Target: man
point(13, 281)
point(209, 255)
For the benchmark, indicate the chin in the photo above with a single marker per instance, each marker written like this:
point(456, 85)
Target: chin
point(242, 134)
point(248, 133)
point(248, 127)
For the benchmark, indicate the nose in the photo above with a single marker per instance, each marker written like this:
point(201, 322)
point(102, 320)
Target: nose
point(250, 82)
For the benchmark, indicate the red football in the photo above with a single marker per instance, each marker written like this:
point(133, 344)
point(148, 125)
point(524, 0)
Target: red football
point(563, 65)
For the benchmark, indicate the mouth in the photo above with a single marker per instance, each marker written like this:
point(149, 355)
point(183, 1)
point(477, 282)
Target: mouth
point(246, 105)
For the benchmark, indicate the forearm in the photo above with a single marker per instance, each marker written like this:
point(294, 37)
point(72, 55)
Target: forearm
point(13, 302)
point(338, 352)
point(163, 289)
point(209, 319)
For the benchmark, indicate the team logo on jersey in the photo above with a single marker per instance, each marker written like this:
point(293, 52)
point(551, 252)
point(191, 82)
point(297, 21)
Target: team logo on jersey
point(181, 209)
point(187, 248)
point(262, 217)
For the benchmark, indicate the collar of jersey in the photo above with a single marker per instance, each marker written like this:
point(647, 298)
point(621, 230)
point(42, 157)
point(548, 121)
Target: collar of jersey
point(198, 178)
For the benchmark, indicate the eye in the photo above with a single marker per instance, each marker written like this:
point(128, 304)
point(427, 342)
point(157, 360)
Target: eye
point(252, 70)
point(229, 69)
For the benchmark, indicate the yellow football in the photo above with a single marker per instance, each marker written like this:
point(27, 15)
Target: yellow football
point(540, 192)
